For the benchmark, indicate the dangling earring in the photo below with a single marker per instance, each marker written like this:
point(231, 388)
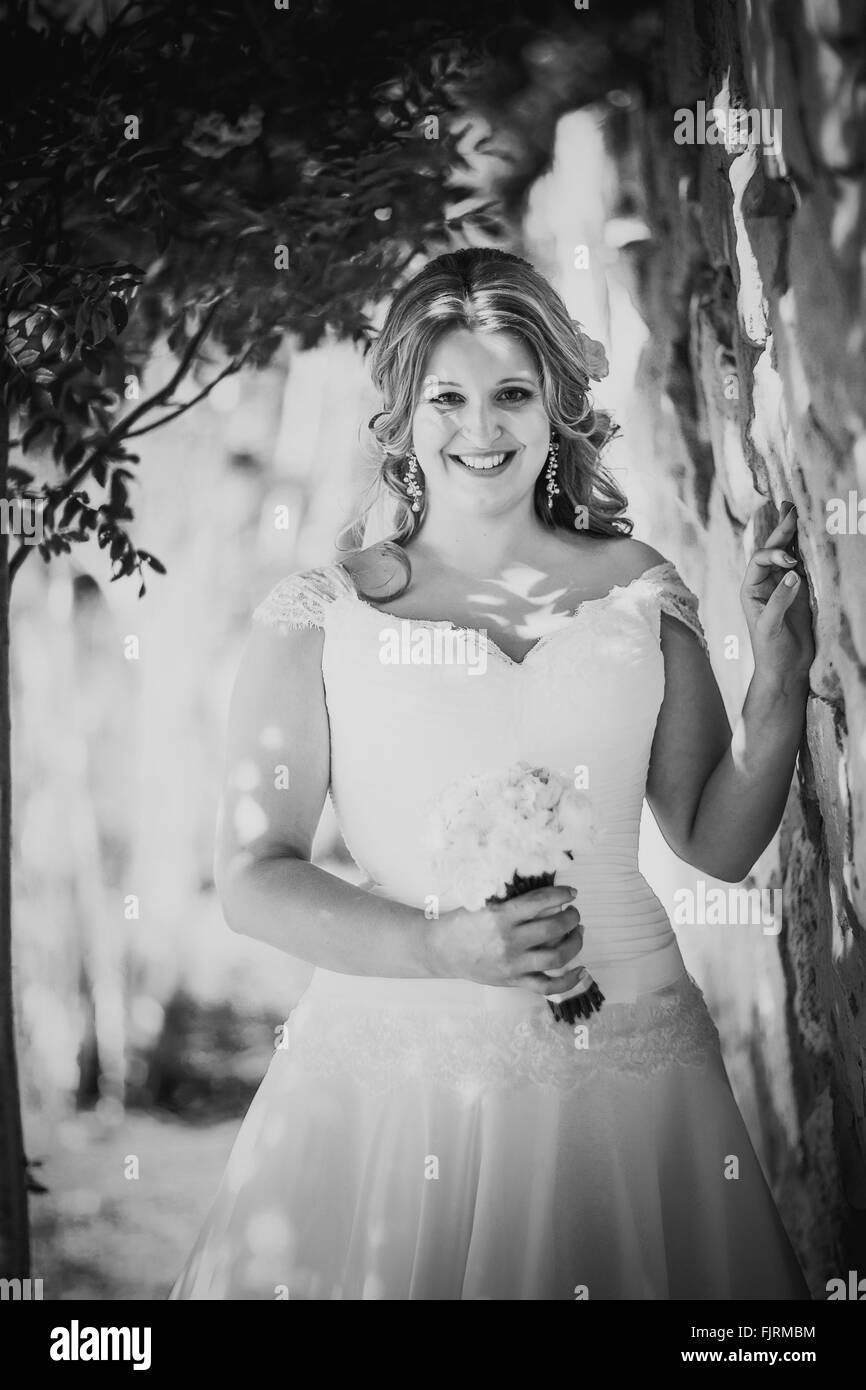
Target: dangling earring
point(410, 481)
point(552, 465)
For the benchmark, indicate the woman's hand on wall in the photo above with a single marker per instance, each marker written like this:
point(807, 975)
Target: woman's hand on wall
point(775, 600)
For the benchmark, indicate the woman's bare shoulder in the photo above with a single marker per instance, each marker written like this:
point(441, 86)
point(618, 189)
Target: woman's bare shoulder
point(623, 558)
point(637, 557)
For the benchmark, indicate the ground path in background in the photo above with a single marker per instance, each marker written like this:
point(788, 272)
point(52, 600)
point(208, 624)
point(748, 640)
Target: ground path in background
point(100, 1235)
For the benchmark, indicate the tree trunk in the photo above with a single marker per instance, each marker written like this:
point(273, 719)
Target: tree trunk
point(14, 1226)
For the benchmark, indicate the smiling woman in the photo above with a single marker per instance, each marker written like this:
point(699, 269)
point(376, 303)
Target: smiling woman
point(428, 1129)
point(479, 359)
point(489, 424)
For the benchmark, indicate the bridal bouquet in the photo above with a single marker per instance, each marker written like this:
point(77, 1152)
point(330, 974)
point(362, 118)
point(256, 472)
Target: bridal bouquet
point(494, 837)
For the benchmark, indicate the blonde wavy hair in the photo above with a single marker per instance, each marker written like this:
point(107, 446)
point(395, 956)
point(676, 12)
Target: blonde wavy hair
point(492, 291)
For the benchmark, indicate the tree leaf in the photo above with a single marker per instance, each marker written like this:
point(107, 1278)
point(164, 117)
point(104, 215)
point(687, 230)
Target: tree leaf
point(33, 432)
point(92, 360)
point(152, 561)
point(69, 511)
point(74, 454)
point(119, 313)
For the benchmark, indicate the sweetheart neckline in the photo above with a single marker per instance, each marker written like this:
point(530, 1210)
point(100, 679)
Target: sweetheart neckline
point(569, 618)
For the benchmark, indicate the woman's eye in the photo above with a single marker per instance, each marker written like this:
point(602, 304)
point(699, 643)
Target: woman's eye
point(512, 395)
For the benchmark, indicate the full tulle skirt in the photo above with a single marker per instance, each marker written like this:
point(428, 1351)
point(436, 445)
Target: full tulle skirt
point(413, 1140)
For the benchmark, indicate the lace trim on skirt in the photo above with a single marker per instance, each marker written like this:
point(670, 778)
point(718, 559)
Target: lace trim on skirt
point(384, 1049)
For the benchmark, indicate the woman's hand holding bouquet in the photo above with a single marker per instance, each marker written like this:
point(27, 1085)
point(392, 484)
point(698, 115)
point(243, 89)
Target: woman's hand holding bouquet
point(497, 843)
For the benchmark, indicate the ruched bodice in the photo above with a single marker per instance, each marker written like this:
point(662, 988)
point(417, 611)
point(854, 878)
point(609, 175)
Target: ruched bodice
point(415, 705)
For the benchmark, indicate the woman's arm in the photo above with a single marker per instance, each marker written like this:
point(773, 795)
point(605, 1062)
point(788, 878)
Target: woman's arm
point(276, 779)
point(718, 798)
point(275, 784)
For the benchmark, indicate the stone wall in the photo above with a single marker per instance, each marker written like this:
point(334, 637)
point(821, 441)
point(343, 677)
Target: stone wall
point(754, 385)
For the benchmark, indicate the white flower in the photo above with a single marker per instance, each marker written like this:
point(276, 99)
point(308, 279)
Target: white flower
point(579, 830)
point(483, 830)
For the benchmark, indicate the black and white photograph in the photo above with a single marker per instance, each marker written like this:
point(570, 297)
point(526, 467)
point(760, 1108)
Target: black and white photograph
point(433, 680)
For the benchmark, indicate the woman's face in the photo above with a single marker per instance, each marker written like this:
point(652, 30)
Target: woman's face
point(480, 431)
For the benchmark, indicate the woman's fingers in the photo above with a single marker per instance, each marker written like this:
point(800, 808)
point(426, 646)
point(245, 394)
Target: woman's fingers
point(784, 531)
point(780, 601)
point(771, 556)
point(545, 931)
point(540, 902)
point(540, 931)
point(552, 957)
point(763, 570)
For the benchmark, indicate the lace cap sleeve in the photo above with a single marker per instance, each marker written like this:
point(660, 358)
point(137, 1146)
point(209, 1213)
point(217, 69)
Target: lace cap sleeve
point(677, 600)
point(302, 600)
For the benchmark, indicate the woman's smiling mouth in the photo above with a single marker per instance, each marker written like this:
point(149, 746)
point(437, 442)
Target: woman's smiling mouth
point(487, 462)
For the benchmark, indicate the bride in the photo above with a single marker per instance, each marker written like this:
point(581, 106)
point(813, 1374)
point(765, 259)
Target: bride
point(427, 1129)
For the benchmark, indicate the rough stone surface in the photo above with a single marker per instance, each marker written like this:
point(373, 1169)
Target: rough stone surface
point(754, 386)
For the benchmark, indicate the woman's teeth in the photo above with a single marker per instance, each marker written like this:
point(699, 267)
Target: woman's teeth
point(481, 461)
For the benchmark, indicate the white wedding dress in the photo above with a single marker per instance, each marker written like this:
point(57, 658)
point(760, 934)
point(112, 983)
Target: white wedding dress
point(440, 1139)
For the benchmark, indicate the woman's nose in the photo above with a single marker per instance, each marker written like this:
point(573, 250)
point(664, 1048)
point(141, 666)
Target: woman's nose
point(479, 425)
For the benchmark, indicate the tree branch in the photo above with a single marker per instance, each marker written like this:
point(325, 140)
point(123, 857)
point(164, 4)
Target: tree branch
point(228, 370)
point(121, 429)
